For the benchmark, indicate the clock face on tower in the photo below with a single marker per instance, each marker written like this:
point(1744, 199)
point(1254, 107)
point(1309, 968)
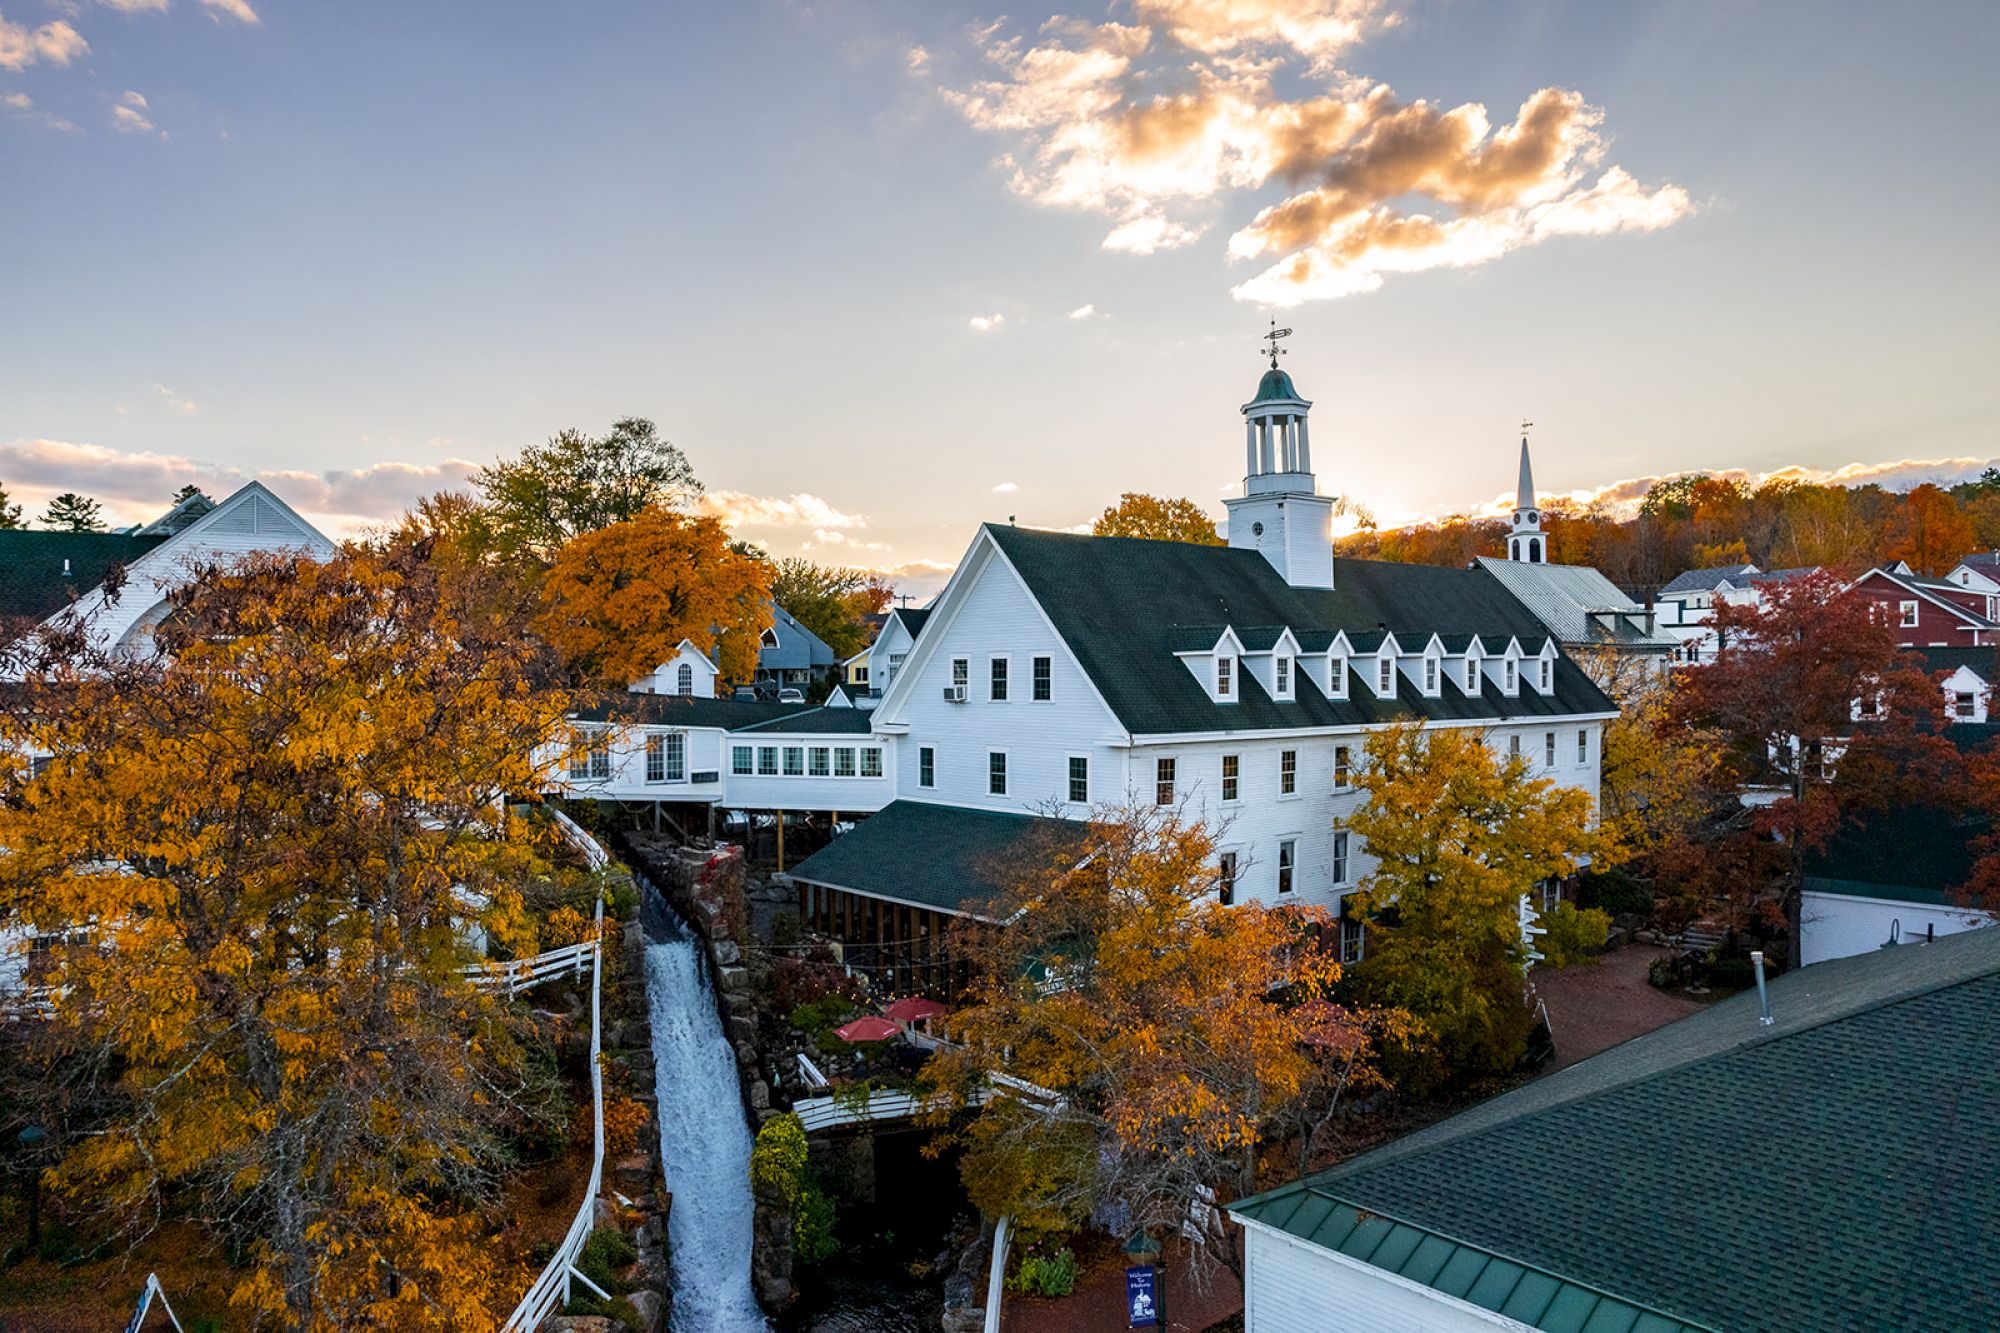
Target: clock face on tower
point(1533, 517)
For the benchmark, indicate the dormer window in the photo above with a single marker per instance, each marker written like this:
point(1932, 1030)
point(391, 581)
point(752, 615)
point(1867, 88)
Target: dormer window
point(1281, 673)
point(1548, 671)
point(1338, 675)
point(1430, 675)
point(1385, 675)
point(1472, 674)
point(1512, 676)
point(1225, 677)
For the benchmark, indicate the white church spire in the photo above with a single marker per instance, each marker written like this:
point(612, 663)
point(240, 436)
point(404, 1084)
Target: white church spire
point(1281, 513)
point(1526, 544)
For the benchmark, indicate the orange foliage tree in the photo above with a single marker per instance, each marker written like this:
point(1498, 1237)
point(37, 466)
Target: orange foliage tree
point(618, 600)
point(259, 859)
point(1168, 1034)
point(1168, 520)
point(1930, 530)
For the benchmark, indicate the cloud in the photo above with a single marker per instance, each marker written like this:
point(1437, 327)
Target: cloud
point(1159, 124)
point(1083, 312)
point(55, 42)
point(236, 9)
point(175, 401)
point(1005, 488)
point(135, 486)
point(129, 117)
point(821, 538)
point(987, 323)
point(1622, 497)
point(738, 509)
point(136, 6)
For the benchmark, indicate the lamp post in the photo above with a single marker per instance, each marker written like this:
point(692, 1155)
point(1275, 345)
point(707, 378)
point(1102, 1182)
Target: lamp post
point(31, 1140)
point(1146, 1251)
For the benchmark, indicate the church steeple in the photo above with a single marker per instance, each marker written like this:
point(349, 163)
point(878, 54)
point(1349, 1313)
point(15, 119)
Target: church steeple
point(1281, 513)
point(1525, 544)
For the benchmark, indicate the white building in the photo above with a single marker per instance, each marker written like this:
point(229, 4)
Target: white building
point(1686, 607)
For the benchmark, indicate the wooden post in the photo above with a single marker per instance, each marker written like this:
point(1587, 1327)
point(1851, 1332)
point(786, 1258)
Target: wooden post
point(781, 842)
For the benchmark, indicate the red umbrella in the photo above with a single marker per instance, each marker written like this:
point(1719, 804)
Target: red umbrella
point(914, 1009)
point(867, 1028)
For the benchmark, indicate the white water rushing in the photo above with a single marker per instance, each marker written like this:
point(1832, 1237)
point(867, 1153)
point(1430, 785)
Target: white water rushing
point(705, 1144)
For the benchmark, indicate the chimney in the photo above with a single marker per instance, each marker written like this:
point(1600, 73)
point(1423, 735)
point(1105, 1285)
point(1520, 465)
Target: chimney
point(1763, 995)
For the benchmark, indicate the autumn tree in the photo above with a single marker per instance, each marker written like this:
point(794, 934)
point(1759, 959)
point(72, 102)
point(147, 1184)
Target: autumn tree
point(1813, 703)
point(1459, 834)
point(1172, 1034)
point(70, 512)
point(1930, 530)
point(1167, 520)
point(259, 859)
point(618, 600)
point(578, 483)
point(826, 599)
point(10, 513)
point(1650, 771)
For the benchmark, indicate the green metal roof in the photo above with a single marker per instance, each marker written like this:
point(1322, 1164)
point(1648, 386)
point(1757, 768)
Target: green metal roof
point(941, 856)
point(33, 584)
point(1834, 1170)
point(1276, 386)
point(1125, 605)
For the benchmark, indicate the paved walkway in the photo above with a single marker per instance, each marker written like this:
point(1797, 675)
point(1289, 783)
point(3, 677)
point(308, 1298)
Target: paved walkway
point(1594, 1008)
point(1098, 1304)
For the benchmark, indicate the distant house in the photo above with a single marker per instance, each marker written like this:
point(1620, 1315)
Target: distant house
point(45, 575)
point(1686, 607)
point(1930, 613)
point(1980, 572)
point(791, 656)
point(690, 671)
point(1586, 612)
point(884, 657)
point(1890, 878)
point(1830, 1170)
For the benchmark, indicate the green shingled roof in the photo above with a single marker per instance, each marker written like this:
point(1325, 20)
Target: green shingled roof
point(1125, 605)
point(938, 856)
point(1835, 1170)
point(33, 584)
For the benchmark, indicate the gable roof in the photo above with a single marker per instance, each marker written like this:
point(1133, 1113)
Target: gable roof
point(1934, 591)
point(1565, 598)
point(1125, 605)
point(1872, 1104)
point(939, 856)
point(681, 710)
point(33, 582)
point(798, 647)
point(1704, 580)
point(818, 721)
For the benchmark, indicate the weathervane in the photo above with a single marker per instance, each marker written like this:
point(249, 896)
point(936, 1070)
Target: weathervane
point(1525, 424)
point(1272, 338)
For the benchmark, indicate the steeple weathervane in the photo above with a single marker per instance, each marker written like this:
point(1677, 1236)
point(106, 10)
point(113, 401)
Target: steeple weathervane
point(1274, 351)
point(1526, 544)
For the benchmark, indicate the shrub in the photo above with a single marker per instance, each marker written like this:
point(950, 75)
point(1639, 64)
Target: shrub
point(1570, 934)
point(624, 1120)
point(778, 1160)
point(1615, 891)
point(813, 1240)
point(1046, 1274)
point(604, 1255)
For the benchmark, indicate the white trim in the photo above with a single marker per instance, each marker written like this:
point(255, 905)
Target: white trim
point(1453, 1303)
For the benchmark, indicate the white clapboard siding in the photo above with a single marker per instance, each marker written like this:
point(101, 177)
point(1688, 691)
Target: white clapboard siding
point(1292, 1286)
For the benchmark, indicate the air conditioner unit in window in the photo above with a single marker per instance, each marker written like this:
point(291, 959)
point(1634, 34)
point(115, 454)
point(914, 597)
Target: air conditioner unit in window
point(954, 694)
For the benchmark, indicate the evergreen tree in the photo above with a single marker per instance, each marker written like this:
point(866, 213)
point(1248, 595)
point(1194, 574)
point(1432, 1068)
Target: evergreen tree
point(10, 513)
point(70, 512)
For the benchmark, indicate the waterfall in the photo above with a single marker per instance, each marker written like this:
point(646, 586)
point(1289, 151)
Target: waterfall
point(704, 1143)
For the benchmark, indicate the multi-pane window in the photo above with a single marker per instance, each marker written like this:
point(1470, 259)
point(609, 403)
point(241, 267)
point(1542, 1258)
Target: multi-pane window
point(996, 773)
point(1965, 703)
point(1283, 675)
point(1583, 745)
point(999, 678)
point(1548, 673)
point(1343, 768)
point(1339, 866)
point(961, 672)
point(926, 767)
point(819, 761)
point(843, 762)
point(767, 761)
point(1909, 619)
point(1350, 941)
point(1549, 750)
point(795, 761)
point(1079, 779)
point(741, 760)
point(871, 763)
point(684, 680)
point(656, 758)
point(1471, 673)
point(1430, 675)
point(1229, 775)
point(1225, 878)
point(1385, 672)
point(1225, 668)
point(676, 757)
point(1163, 782)
point(1288, 855)
point(1513, 675)
point(1339, 675)
point(1044, 671)
point(1513, 747)
point(1288, 772)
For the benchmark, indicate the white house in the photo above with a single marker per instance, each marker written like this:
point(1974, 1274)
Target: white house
point(690, 672)
point(1685, 608)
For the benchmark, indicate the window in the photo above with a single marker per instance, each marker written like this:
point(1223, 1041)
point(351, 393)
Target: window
point(843, 762)
point(1224, 669)
point(579, 765)
point(1385, 672)
point(1548, 674)
point(1288, 853)
point(656, 758)
point(600, 761)
point(1339, 676)
point(1471, 674)
point(961, 672)
point(1552, 893)
point(1282, 670)
point(1350, 941)
point(767, 761)
point(1430, 675)
point(818, 761)
point(795, 761)
point(768, 639)
point(1229, 777)
point(1513, 675)
point(1513, 747)
point(1339, 866)
point(1909, 610)
point(740, 760)
point(676, 757)
point(926, 767)
point(1163, 782)
point(999, 680)
point(1343, 770)
point(1225, 878)
point(1043, 676)
point(1583, 745)
point(996, 773)
point(1964, 703)
point(895, 665)
point(684, 679)
point(871, 762)
point(1288, 772)
point(1549, 750)
point(1079, 779)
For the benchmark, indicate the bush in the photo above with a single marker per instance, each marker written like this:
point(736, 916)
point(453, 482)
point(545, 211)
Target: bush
point(813, 1240)
point(1615, 891)
point(1045, 1273)
point(1569, 934)
point(604, 1255)
point(778, 1160)
point(624, 1120)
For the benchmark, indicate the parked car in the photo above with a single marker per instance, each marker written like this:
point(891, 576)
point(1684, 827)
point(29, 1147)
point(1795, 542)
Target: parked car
point(745, 694)
point(791, 695)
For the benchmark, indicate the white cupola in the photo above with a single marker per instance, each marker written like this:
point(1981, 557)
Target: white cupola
point(1525, 544)
point(1281, 513)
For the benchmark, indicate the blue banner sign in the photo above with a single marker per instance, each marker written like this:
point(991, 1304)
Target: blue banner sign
point(1142, 1297)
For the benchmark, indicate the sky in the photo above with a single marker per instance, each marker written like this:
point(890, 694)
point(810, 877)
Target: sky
point(886, 269)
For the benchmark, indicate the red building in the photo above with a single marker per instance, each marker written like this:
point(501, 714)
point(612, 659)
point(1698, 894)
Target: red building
point(1930, 613)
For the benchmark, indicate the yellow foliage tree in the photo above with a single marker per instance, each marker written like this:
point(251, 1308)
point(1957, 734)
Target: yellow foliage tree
point(260, 858)
point(619, 599)
point(1167, 1033)
point(1167, 520)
